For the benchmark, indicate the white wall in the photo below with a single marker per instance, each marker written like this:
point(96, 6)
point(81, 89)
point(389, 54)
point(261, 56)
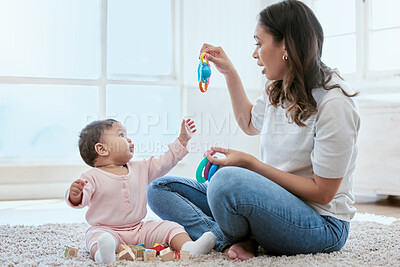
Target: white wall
point(378, 164)
point(37, 181)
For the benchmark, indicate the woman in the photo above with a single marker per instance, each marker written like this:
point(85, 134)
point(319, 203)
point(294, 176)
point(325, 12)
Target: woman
point(298, 198)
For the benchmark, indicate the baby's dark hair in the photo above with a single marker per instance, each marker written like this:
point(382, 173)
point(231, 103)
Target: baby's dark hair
point(90, 136)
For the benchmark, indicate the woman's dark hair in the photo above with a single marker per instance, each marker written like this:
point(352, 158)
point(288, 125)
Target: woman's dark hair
point(90, 136)
point(295, 23)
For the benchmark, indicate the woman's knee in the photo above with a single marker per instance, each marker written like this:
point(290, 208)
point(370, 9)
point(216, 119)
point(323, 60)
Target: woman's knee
point(161, 184)
point(159, 191)
point(235, 184)
point(155, 188)
point(152, 190)
point(226, 182)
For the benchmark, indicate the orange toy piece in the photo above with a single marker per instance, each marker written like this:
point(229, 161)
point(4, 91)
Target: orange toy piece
point(201, 87)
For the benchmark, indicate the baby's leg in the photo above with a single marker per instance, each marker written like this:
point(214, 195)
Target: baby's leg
point(172, 234)
point(203, 245)
point(106, 247)
point(102, 246)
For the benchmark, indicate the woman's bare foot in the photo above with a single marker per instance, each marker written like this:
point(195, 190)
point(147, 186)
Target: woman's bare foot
point(242, 251)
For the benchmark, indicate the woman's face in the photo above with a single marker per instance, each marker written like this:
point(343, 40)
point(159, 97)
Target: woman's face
point(269, 55)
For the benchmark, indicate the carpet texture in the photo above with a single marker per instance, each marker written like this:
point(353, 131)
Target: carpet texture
point(369, 244)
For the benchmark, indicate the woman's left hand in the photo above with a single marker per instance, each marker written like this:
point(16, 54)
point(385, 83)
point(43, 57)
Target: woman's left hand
point(233, 158)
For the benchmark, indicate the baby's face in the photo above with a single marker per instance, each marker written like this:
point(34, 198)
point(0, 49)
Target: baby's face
point(118, 144)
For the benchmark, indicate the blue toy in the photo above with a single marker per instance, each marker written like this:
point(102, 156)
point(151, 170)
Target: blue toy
point(203, 73)
point(206, 170)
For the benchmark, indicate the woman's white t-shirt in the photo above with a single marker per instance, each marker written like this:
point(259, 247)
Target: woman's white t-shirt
point(326, 146)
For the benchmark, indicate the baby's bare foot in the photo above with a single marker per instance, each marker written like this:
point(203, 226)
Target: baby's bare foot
point(242, 251)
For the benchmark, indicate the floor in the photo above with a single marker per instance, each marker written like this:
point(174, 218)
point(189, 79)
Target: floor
point(37, 212)
point(380, 205)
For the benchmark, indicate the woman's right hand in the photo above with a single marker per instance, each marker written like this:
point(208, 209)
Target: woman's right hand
point(217, 56)
point(232, 158)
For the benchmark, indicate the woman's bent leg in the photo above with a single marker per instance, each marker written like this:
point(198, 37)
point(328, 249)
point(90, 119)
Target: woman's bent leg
point(184, 200)
point(244, 202)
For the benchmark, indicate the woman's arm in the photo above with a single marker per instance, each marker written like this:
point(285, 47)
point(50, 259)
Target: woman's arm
point(240, 102)
point(317, 189)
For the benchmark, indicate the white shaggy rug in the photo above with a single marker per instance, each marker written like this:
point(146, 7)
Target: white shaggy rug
point(374, 241)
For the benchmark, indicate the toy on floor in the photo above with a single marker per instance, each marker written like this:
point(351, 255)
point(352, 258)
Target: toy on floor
point(125, 253)
point(206, 169)
point(158, 247)
point(138, 251)
point(203, 73)
point(149, 255)
point(70, 252)
point(181, 255)
point(166, 254)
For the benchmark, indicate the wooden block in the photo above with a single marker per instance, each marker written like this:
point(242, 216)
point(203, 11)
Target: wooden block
point(138, 245)
point(182, 255)
point(121, 248)
point(185, 255)
point(138, 250)
point(166, 254)
point(125, 253)
point(149, 255)
point(70, 252)
point(157, 247)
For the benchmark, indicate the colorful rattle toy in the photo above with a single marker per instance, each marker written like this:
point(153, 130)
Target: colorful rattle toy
point(209, 170)
point(203, 73)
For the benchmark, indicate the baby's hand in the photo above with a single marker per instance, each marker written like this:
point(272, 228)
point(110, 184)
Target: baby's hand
point(187, 130)
point(75, 192)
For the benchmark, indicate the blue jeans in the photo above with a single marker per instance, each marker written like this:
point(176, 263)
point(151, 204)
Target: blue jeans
point(238, 204)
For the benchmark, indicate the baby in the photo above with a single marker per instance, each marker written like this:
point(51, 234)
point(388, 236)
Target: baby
point(115, 190)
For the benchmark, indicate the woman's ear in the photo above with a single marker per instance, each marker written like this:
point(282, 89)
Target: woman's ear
point(285, 54)
point(101, 149)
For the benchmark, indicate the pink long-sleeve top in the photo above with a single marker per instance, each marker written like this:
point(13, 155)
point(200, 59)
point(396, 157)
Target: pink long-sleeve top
point(119, 201)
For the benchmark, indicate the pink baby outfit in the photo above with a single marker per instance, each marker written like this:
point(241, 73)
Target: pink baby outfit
point(117, 203)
